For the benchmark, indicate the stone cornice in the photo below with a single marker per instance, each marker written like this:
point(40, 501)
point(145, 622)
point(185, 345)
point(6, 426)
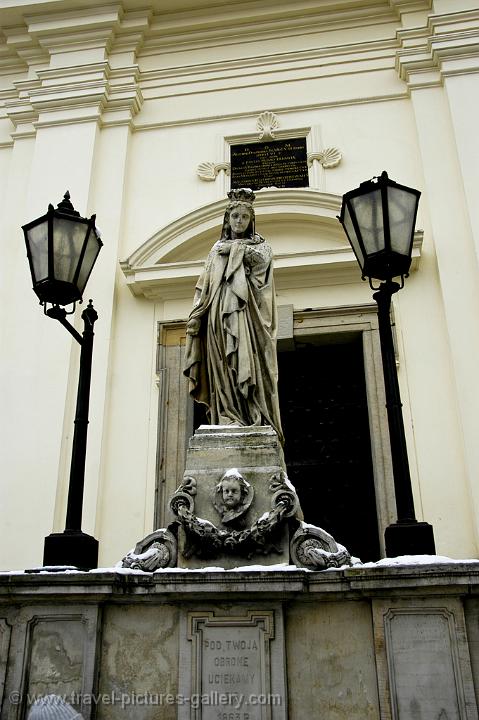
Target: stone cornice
point(76, 38)
point(448, 45)
point(39, 37)
point(455, 578)
point(70, 78)
point(74, 20)
point(19, 51)
point(113, 27)
point(101, 26)
point(333, 266)
point(325, 61)
point(269, 20)
point(65, 95)
point(76, 35)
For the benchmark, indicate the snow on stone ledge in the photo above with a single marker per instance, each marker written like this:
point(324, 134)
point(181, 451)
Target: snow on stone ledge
point(401, 561)
point(418, 560)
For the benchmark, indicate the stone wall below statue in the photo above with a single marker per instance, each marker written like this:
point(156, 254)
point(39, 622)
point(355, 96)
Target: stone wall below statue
point(361, 643)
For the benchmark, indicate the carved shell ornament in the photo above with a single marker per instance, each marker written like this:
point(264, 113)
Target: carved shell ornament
point(331, 157)
point(267, 123)
point(209, 170)
point(328, 158)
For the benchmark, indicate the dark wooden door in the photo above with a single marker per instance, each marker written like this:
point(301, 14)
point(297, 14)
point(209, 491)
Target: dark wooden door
point(324, 414)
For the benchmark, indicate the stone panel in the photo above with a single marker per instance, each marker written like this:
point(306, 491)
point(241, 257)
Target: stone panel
point(52, 651)
point(56, 657)
point(5, 632)
point(139, 663)
point(327, 643)
point(471, 609)
point(423, 664)
point(232, 664)
point(330, 661)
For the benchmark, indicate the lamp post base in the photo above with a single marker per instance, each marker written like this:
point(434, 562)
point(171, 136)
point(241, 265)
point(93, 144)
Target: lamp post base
point(409, 538)
point(71, 547)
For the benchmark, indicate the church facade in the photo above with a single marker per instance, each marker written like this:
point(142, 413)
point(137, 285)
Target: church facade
point(148, 114)
point(145, 116)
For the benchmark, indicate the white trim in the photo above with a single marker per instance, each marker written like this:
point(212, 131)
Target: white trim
point(148, 276)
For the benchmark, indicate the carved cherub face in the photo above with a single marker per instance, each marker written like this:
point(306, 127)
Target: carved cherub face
point(231, 492)
point(232, 496)
point(240, 218)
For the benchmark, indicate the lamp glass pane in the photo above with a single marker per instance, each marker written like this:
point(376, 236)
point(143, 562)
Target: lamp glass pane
point(68, 238)
point(402, 212)
point(38, 243)
point(351, 233)
point(91, 252)
point(369, 215)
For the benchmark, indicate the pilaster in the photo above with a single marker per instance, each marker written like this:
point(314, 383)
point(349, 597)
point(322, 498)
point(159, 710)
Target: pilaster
point(81, 68)
point(440, 64)
point(74, 99)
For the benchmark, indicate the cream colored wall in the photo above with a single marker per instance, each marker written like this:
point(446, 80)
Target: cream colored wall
point(126, 142)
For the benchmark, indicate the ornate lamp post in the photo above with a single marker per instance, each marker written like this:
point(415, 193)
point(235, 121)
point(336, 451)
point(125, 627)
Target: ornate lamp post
point(62, 248)
point(379, 219)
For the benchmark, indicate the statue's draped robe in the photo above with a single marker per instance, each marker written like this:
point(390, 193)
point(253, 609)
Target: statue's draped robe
point(231, 363)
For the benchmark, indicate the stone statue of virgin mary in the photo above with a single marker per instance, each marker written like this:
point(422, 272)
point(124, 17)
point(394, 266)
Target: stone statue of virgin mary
point(231, 332)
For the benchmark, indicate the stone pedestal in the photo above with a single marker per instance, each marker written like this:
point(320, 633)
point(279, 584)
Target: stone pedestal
point(235, 508)
point(218, 453)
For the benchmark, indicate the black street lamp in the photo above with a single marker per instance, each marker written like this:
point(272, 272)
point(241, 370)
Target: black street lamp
point(62, 248)
point(379, 219)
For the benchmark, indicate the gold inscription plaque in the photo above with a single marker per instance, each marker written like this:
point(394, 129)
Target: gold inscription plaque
point(280, 163)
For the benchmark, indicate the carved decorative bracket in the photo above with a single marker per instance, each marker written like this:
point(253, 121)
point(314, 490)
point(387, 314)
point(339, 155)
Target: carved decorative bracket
point(157, 550)
point(313, 548)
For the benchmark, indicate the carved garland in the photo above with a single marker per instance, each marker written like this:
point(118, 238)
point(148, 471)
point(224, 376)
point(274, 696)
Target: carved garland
point(206, 540)
point(310, 547)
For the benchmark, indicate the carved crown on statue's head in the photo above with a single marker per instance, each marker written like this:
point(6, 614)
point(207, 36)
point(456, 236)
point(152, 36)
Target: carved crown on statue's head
point(245, 195)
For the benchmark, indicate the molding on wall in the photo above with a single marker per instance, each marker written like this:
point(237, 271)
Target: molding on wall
point(448, 45)
point(65, 95)
point(304, 201)
point(271, 21)
point(148, 275)
point(412, 635)
point(79, 37)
